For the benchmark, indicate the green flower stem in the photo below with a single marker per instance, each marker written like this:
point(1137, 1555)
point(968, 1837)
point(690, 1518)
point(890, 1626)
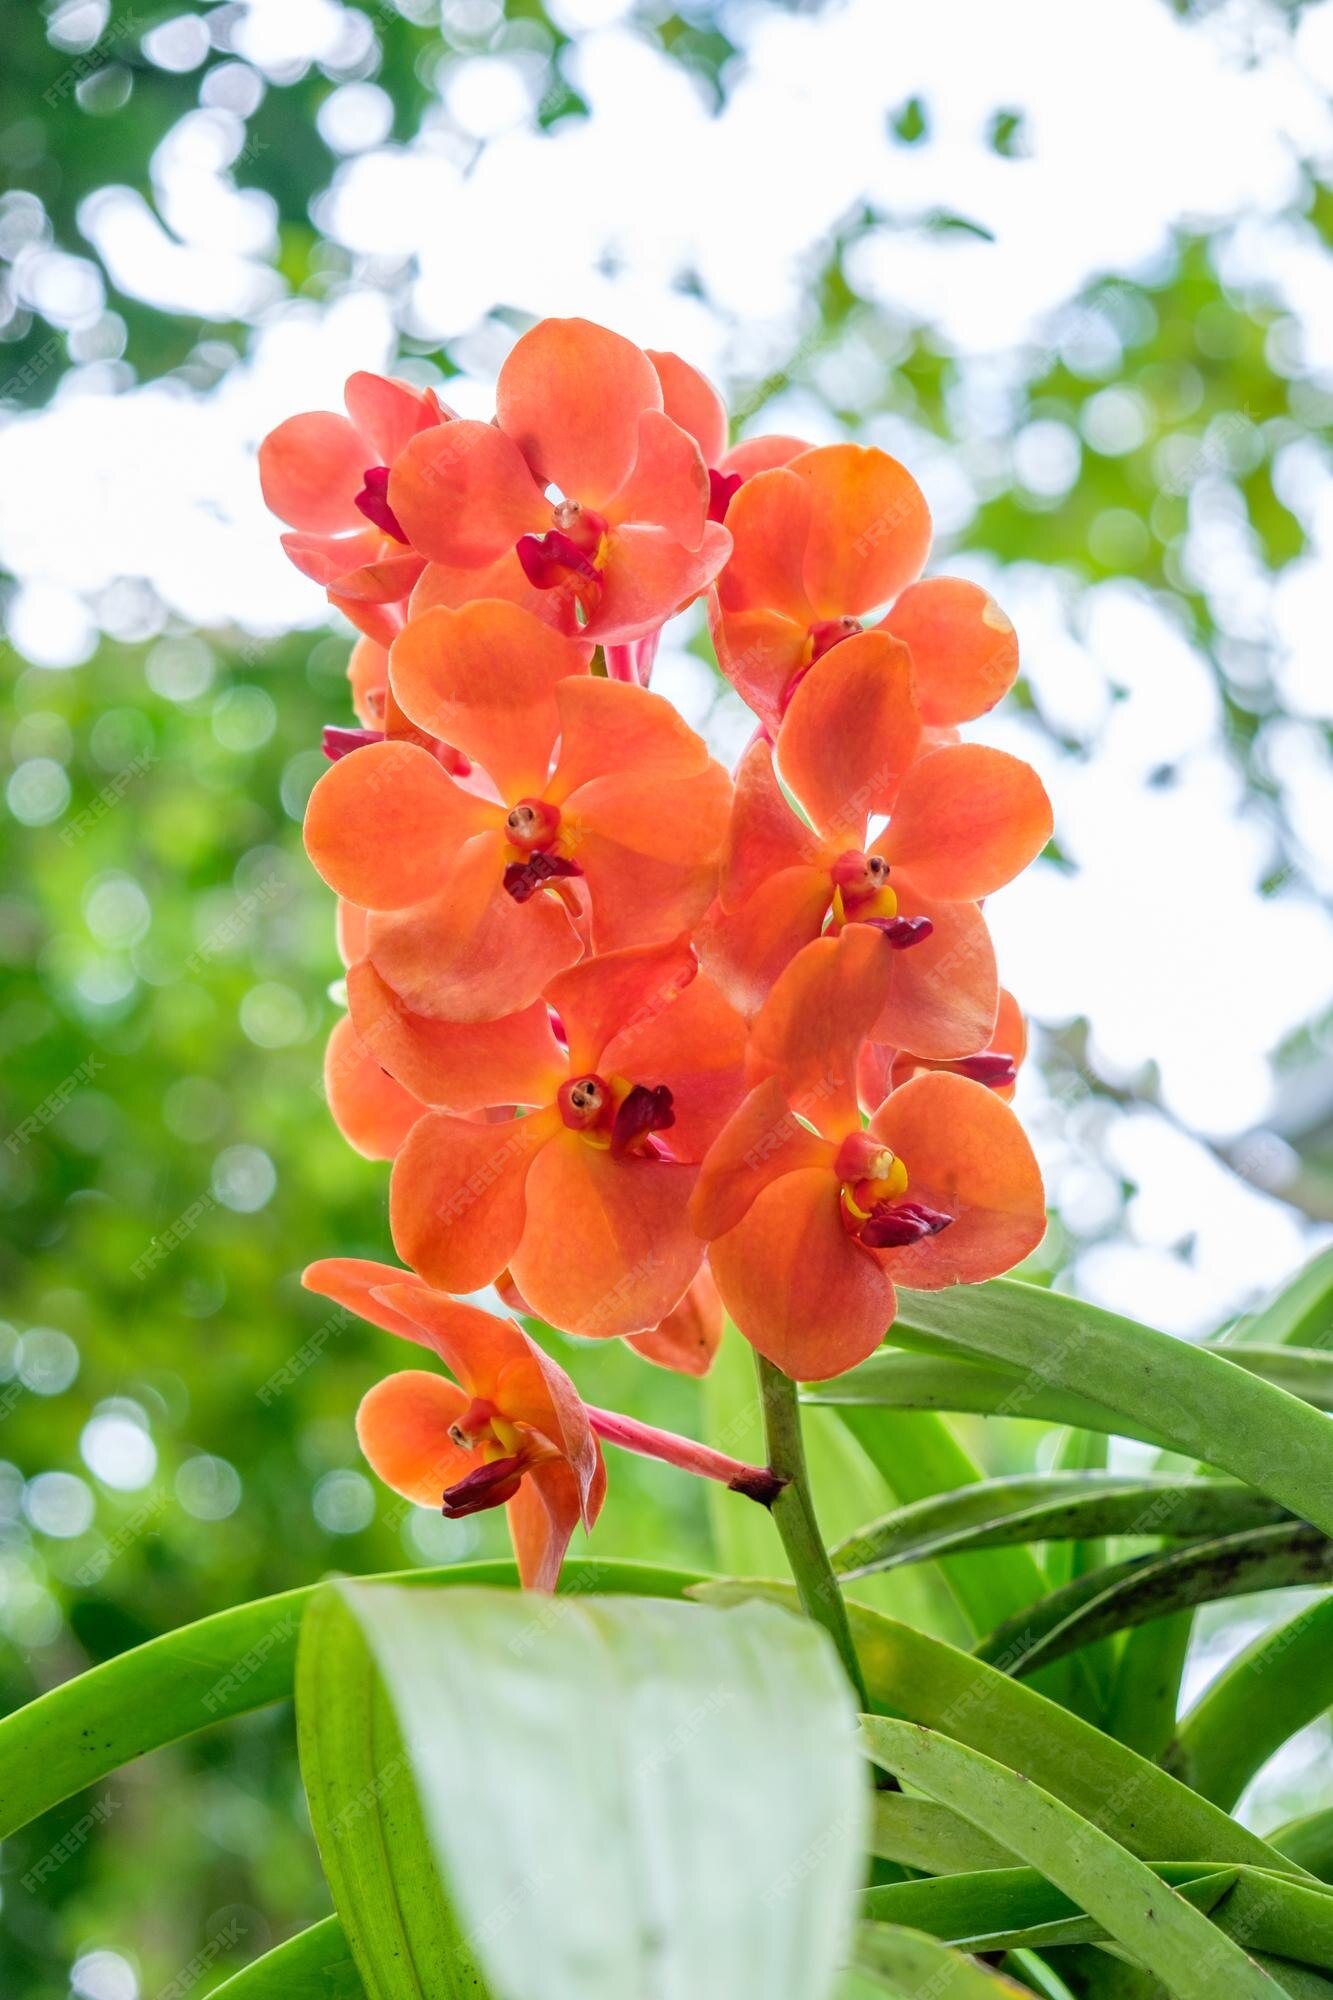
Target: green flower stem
point(794, 1512)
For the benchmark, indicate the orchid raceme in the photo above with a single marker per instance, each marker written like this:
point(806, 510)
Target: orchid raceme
point(647, 1042)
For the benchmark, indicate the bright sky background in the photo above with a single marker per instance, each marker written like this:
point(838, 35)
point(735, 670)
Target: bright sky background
point(1135, 121)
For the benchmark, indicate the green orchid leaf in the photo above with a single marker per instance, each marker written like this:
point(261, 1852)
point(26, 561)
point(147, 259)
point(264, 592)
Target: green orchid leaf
point(219, 1667)
point(1282, 1556)
point(1276, 1686)
point(920, 1834)
point(907, 1963)
point(1052, 1506)
point(314, 1965)
point(395, 1915)
point(1011, 1908)
point(1196, 1400)
point(912, 1675)
point(1164, 1931)
point(1308, 1841)
point(627, 1796)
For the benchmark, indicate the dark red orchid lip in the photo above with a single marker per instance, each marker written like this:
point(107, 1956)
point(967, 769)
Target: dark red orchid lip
point(552, 559)
point(522, 879)
point(901, 933)
point(644, 1110)
point(893, 1225)
point(373, 501)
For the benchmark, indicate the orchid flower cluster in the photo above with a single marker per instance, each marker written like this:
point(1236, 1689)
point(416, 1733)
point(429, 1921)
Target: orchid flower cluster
point(646, 1040)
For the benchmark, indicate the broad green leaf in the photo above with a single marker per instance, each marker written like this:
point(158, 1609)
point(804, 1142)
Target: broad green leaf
point(1199, 1400)
point(629, 1797)
point(222, 1666)
point(1300, 1315)
point(1004, 1909)
point(314, 1965)
point(913, 1675)
point(1308, 1841)
point(1281, 1556)
point(907, 1964)
point(1269, 1691)
point(377, 1857)
point(1161, 1929)
point(1052, 1506)
point(921, 1834)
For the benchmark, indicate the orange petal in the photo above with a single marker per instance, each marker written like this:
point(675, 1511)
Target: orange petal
point(570, 395)
point(669, 483)
point(943, 992)
point(809, 1031)
point(311, 469)
point(613, 727)
point(388, 413)
point(454, 1065)
point(769, 522)
point(1011, 1028)
point(607, 1246)
point(849, 733)
point(797, 1285)
point(384, 824)
point(765, 835)
point(372, 1111)
point(456, 1200)
point(648, 576)
point(364, 564)
point(696, 1046)
point(964, 649)
point(485, 678)
point(747, 951)
point(454, 585)
point(650, 856)
point(761, 1141)
point(691, 401)
point(351, 922)
point(402, 1427)
point(368, 672)
point(617, 993)
point(967, 820)
point(380, 622)
point(471, 953)
point(690, 1335)
point(357, 1284)
point(869, 527)
point(543, 1515)
point(967, 1155)
point(761, 653)
point(463, 494)
point(762, 454)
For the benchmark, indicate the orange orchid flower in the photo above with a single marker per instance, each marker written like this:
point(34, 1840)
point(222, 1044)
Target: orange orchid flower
point(327, 476)
point(962, 821)
point(372, 1111)
point(479, 900)
point(378, 714)
point(509, 1430)
point(997, 1065)
point(821, 539)
point(583, 1200)
point(811, 1230)
point(627, 542)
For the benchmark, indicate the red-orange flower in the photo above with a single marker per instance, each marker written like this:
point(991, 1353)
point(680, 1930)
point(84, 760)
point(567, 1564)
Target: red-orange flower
point(509, 1430)
point(370, 1108)
point(821, 539)
point(810, 1231)
point(996, 1065)
point(327, 476)
point(480, 899)
point(583, 1200)
point(963, 820)
point(628, 542)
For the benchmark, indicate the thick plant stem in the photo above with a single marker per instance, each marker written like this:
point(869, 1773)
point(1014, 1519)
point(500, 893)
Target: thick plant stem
point(794, 1512)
